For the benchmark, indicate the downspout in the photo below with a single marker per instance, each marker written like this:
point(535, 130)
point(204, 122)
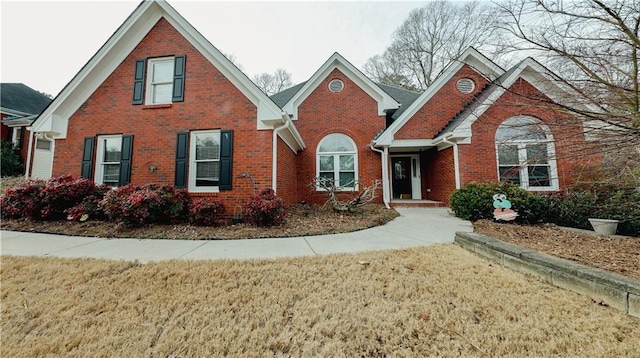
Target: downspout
point(29, 150)
point(385, 173)
point(456, 164)
point(274, 159)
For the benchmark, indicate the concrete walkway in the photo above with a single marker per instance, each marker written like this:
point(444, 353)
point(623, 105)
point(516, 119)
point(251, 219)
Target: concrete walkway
point(414, 227)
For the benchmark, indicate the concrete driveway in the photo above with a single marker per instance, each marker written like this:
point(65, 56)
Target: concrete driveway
point(414, 227)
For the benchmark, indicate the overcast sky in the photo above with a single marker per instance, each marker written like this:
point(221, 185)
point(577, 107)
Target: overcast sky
point(44, 44)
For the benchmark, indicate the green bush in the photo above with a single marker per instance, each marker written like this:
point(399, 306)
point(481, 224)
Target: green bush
point(475, 200)
point(11, 164)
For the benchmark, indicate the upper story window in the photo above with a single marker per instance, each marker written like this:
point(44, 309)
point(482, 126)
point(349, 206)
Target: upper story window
point(159, 80)
point(337, 160)
point(526, 154)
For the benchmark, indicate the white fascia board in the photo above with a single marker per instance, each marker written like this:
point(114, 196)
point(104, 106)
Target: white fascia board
point(99, 67)
point(266, 108)
point(470, 57)
point(120, 44)
point(13, 112)
point(336, 61)
point(408, 143)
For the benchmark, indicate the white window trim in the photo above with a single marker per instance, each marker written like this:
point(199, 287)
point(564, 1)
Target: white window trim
point(99, 171)
point(15, 138)
point(336, 163)
point(192, 164)
point(521, 143)
point(149, 76)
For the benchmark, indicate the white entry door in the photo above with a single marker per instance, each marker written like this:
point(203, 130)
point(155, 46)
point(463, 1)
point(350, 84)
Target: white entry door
point(405, 176)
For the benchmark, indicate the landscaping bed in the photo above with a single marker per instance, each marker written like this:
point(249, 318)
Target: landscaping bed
point(301, 220)
point(616, 254)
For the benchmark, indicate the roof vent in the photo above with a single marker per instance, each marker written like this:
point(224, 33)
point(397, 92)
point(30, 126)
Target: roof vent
point(465, 85)
point(336, 86)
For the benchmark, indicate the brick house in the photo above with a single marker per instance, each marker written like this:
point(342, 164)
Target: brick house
point(159, 103)
point(19, 106)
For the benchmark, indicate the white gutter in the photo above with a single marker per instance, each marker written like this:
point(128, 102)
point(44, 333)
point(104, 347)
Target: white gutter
point(385, 173)
point(29, 150)
point(456, 164)
point(274, 159)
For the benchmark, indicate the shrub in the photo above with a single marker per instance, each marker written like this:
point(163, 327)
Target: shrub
point(48, 199)
point(265, 209)
point(147, 204)
point(205, 211)
point(11, 164)
point(475, 200)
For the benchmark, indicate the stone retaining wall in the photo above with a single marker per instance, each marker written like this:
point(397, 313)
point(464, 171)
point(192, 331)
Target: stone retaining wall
point(605, 287)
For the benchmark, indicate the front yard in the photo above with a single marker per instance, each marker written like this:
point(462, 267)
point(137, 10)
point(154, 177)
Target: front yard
point(433, 301)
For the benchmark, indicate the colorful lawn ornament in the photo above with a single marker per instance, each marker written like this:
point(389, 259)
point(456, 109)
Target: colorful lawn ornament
point(503, 208)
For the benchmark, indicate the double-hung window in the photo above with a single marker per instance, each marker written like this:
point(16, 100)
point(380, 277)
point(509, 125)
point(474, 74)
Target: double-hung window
point(108, 160)
point(526, 154)
point(159, 80)
point(337, 161)
point(204, 173)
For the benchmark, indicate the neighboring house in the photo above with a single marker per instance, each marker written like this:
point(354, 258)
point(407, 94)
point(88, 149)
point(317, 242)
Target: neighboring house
point(19, 106)
point(158, 103)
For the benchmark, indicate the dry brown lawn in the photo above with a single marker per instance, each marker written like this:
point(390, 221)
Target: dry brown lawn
point(432, 301)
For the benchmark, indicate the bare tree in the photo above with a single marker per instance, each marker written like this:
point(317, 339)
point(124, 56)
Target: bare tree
point(594, 44)
point(351, 203)
point(234, 60)
point(430, 38)
point(273, 83)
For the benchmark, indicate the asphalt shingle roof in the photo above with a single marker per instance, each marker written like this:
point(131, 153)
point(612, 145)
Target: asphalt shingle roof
point(281, 98)
point(19, 97)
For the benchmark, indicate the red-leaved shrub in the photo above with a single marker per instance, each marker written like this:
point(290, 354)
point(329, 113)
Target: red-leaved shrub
point(206, 211)
point(266, 209)
point(48, 199)
point(150, 203)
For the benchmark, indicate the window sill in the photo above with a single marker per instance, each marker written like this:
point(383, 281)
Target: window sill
point(154, 106)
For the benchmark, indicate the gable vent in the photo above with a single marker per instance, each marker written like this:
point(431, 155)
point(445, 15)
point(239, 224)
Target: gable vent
point(465, 85)
point(336, 86)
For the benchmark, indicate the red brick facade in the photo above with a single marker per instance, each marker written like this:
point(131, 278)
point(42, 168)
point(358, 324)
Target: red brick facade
point(442, 107)
point(478, 162)
point(211, 101)
point(352, 112)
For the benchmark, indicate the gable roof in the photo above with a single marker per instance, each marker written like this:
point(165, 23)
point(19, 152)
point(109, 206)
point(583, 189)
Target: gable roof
point(541, 78)
point(20, 99)
point(281, 98)
point(403, 96)
point(470, 57)
point(336, 61)
point(55, 118)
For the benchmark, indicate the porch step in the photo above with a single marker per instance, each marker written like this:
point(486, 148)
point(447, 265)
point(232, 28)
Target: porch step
point(404, 203)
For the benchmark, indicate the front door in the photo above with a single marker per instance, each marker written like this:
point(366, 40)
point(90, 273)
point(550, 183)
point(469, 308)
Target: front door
point(405, 174)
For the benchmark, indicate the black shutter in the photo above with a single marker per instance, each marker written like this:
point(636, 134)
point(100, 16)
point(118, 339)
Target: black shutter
point(23, 131)
point(178, 78)
point(138, 82)
point(181, 160)
point(87, 158)
point(125, 160)
point(226, 159)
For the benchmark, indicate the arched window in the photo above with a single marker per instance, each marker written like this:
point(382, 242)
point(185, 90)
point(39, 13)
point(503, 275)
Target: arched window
point(337, 160)
point(526, 154)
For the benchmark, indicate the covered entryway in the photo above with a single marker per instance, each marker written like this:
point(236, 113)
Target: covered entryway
point(405, 176)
